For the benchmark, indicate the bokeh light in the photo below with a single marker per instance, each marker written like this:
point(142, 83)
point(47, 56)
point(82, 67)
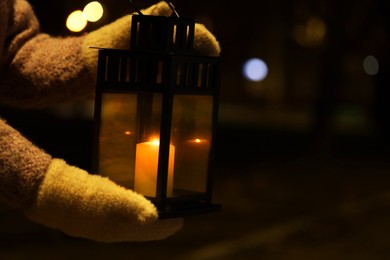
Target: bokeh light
point(93, 11)
point(76, 21)
point(255, 69)
point(311, 34)
point(371, 65)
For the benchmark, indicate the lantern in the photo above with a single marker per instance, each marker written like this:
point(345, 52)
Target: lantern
point(155, 116)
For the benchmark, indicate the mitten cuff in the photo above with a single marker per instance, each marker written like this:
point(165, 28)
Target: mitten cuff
point(22, 167)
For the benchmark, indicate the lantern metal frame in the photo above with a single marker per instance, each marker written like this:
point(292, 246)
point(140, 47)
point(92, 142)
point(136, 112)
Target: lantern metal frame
point(160, 47)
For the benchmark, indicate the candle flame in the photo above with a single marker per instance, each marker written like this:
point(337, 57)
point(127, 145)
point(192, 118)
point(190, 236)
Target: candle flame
point(127, 133)
point(155, 141)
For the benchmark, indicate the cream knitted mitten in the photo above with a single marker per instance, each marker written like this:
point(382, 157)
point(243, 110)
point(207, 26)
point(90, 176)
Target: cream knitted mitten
point(93, 207)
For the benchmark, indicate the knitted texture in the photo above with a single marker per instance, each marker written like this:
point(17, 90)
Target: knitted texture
point(18, 25)
point(205, 42)
point(22, 167)
point(94, 207)
point(38, 70)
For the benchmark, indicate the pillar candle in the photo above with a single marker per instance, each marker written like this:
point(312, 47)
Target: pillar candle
point(146, 168)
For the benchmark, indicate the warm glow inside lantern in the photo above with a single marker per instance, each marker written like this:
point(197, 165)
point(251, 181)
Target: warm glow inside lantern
point(155, 114)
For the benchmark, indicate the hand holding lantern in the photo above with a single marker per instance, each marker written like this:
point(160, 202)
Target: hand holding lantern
point(94, 207)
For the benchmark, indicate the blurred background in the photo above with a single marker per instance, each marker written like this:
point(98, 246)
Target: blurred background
point(302, 162)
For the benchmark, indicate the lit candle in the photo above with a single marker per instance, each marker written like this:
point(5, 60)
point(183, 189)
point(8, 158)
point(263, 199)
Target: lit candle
point(146, 167)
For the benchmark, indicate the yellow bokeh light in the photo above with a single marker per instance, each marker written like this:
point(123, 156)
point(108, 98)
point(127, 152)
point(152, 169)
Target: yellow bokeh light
point(316, 29)
point(312, 33)
point(76, 21)
point(93, 11)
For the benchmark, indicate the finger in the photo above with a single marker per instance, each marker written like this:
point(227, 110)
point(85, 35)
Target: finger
point(205, 42)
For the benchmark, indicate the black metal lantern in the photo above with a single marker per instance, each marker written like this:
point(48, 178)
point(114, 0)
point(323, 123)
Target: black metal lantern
point(155, 116)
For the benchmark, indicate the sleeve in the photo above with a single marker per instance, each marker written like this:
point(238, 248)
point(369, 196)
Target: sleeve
point(38, 70)
point(22, 167)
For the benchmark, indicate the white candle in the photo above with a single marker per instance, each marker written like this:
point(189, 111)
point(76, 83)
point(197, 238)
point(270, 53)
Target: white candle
point(146, 167)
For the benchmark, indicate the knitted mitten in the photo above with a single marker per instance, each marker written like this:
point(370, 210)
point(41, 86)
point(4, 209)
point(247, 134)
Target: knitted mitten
point(94, 207)
point(67, 198)
point(116, 35)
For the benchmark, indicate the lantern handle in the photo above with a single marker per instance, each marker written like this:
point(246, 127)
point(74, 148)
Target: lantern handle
point(169, 4)
point(135, 8)
point(172, 8)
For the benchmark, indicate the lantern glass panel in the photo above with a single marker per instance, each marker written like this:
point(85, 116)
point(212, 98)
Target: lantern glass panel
point(191, 135)
point(117, 139)
point(147, 149)
point(129, 141)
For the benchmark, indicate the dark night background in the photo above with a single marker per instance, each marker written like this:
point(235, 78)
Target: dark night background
point(302, 161)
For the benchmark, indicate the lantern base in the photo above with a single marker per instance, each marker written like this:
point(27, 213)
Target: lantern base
point(175, 211)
